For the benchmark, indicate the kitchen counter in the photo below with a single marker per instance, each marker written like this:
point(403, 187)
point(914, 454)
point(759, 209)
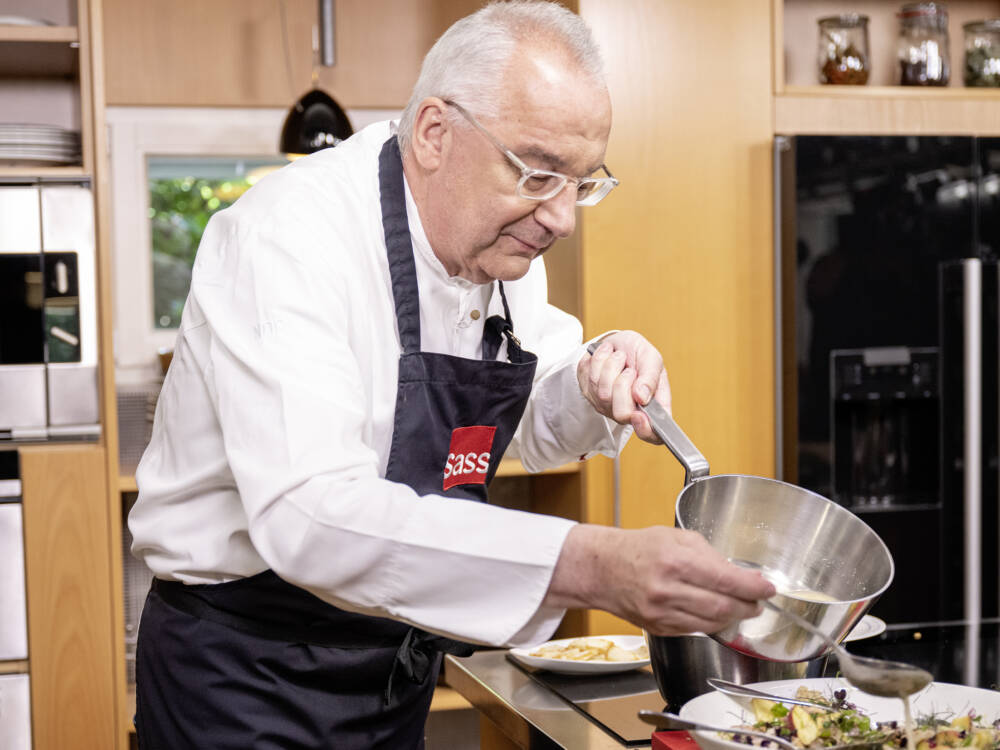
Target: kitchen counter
point(531, 715)
point(524, 713)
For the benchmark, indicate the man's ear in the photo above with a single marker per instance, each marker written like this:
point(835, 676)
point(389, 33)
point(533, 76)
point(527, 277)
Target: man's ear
point(431, 133)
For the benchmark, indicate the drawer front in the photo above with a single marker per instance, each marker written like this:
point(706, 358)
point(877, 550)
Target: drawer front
point(15, 712)
point(13, 622)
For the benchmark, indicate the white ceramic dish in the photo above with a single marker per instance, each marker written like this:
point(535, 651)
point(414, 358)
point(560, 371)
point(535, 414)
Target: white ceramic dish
point(869, 627)
point(939, 698)
point(567, 666)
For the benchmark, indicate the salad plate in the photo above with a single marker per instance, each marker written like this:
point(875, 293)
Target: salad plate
point(940, 699)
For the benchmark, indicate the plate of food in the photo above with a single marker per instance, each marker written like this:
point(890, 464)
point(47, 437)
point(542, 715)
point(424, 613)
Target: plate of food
point(592, 655)
point(944, 715)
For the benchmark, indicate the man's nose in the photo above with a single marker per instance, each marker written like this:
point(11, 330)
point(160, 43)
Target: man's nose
point(558, 213)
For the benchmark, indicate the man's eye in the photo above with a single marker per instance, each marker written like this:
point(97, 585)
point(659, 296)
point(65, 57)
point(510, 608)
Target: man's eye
point(540, 183)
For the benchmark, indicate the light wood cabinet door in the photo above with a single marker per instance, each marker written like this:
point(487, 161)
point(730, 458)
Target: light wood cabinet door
point(69, 597)
point(682, 250)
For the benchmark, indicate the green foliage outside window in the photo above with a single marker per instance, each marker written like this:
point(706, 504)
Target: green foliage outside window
point(179, 211)
point(184, 192)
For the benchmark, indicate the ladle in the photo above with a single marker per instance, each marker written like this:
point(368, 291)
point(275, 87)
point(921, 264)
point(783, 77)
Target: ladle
point(889, 679)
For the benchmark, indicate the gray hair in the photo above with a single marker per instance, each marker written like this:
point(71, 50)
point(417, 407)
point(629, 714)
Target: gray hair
point(467, 62)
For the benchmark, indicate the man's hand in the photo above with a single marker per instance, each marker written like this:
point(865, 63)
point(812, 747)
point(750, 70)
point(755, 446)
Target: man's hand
point(669, 581)
point(625, 370)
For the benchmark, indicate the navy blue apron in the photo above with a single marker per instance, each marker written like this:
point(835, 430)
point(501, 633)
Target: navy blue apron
point(260, 663)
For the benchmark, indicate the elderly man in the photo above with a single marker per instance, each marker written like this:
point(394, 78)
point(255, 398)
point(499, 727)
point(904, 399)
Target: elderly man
point(346, 379)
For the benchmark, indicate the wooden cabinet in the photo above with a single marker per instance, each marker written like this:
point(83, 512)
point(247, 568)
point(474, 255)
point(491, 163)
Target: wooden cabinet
point(69, 571)
point(52, 74)
point(232, 52)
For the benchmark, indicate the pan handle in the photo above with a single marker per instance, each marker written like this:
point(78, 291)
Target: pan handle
point(695, 465)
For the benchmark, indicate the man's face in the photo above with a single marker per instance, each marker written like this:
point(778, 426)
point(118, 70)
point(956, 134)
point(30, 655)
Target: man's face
point(553, 117)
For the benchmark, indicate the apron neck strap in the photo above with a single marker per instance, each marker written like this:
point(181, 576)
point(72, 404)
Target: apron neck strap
point(399, 248)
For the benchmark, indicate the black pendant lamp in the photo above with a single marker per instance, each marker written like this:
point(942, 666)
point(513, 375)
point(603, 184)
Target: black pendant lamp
point(315, 121)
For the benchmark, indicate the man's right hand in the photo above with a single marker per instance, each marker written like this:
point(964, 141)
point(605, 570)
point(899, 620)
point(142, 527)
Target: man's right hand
point(669, 581)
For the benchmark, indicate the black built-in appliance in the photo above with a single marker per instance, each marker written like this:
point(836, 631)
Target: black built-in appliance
point(886, 252)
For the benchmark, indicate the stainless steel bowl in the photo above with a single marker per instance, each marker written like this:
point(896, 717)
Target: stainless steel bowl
point(682, 664)
point(804, 543)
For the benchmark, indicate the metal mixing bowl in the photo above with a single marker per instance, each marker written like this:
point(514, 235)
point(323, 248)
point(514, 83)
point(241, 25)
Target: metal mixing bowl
point(802, 542)
point(682, 664)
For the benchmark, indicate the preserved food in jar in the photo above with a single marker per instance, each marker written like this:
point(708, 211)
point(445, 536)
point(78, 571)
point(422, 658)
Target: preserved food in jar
point(982, 53)
point(843, 49)
point(922, 47)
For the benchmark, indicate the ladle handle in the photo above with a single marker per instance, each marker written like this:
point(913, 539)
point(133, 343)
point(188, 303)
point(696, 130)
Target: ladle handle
point(804, 623)
point(695, 465)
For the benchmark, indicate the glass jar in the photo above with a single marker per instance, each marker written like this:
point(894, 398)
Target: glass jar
point(982, 53)
point(843, 49)
point(922, 47)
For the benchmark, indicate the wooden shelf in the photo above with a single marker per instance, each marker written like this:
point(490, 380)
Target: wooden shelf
point(63, 34)
point(886, 110)
point(42, 172)
point(15, 666)
point(508, 468)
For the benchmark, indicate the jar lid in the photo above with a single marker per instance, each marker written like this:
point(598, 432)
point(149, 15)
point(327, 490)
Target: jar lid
point(847, 20)
point(912, 10)
point(989, 24)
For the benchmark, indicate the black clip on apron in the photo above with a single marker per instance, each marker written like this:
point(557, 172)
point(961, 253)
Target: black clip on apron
point(258, 662)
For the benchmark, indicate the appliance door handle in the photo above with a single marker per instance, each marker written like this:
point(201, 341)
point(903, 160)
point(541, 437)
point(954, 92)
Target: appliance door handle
point(972, 445)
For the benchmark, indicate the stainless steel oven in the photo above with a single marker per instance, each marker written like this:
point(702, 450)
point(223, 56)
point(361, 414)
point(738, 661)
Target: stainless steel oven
point(48, 311)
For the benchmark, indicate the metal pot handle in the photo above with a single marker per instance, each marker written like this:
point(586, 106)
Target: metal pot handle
point(695, 465)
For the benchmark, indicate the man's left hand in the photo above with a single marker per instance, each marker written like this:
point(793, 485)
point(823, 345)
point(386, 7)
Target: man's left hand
point(625, 370)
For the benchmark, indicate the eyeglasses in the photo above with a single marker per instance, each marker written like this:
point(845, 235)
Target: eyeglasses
point(541, 185)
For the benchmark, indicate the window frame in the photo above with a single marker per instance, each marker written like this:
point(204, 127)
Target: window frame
point(134, 134)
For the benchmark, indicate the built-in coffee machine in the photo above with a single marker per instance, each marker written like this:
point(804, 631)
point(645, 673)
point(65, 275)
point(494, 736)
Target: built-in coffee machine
point(48, 312)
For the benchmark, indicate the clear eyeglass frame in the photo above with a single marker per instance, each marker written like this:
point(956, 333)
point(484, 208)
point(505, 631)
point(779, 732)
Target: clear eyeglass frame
point(541, 184)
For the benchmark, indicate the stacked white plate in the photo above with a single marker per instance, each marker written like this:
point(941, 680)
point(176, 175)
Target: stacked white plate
point(28, 144)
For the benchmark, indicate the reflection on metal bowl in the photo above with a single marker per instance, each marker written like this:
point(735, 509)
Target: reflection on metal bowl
point(682, 664)
point(805, 543)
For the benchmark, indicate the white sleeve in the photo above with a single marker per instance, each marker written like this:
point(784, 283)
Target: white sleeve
point(559, 425)
point(288, 392)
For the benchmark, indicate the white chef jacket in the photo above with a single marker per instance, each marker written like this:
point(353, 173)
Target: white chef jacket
point(273, 427)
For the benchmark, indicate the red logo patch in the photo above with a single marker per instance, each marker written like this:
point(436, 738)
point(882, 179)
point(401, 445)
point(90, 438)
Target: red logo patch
point(468, 456)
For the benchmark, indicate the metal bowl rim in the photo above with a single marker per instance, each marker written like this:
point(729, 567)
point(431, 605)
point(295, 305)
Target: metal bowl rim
point(838, 508)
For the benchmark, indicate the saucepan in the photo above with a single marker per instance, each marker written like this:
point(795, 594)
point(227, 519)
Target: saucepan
point(828, 566)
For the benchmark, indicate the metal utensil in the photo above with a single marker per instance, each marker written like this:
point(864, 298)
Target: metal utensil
point(666, 720)
point(889, 679)
point(731, 688)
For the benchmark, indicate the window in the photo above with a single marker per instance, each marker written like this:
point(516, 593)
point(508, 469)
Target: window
point(170, 169)
point(184, 192)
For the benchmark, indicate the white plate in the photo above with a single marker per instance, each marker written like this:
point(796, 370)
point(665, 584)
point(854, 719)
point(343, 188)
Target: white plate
point(23, 21)
point(939, 698)
point(567, 666)
point(869, 627)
